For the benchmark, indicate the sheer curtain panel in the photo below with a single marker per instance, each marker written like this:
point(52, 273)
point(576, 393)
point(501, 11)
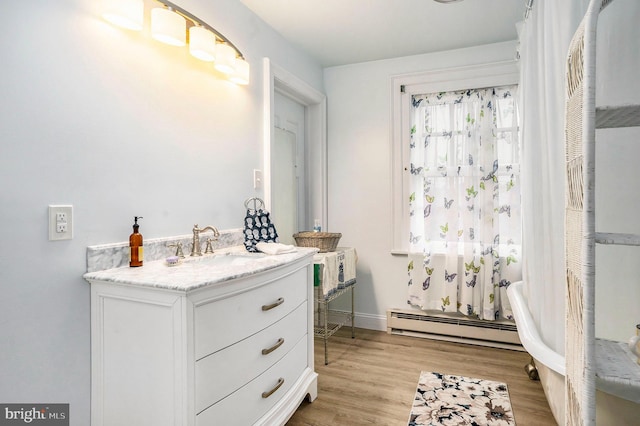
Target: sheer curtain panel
point(464, 202)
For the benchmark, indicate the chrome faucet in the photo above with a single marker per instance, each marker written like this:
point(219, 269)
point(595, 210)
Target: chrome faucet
point(178, 247)
point(195, 248)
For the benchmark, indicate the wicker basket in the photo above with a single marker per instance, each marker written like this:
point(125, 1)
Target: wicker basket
point(325, 241)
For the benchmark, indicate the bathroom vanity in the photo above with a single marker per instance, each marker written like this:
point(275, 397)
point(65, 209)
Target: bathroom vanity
point(224, 339)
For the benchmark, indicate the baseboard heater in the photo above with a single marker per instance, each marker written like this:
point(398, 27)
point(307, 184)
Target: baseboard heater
point(499, 334)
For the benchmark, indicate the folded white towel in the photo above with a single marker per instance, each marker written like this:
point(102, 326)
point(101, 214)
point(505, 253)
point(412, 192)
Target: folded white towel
point(338, 269)
point(275, 248)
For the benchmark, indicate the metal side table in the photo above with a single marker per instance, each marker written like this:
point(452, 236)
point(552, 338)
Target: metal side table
point(334, 276)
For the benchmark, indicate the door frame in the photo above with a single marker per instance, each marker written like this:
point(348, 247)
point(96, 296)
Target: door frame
point(277, 79)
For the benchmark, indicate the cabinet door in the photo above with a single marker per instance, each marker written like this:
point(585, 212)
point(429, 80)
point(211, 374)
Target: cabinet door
point(137, 360)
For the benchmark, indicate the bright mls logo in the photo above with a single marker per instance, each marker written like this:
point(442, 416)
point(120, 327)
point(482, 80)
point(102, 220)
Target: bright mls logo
point(34, 414)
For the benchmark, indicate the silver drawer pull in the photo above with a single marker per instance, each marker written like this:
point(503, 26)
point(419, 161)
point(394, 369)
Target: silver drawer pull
point(274, 347)
point(268, 394)
point(277, 303)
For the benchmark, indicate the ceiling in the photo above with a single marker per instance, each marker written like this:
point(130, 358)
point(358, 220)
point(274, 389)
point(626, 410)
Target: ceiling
point(338, 32)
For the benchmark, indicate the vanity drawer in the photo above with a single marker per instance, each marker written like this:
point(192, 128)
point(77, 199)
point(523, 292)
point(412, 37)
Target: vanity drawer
point(223, 322)
point(225, 371)
point(248, 404)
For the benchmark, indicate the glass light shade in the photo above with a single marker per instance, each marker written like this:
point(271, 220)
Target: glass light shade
point(202, 43)
point(168, 27)
point(225, 58)
point(241, 74)
point(127, 14)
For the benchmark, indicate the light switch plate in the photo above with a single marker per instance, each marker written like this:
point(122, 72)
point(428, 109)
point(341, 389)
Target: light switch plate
point(60, 222)
point(257, 179)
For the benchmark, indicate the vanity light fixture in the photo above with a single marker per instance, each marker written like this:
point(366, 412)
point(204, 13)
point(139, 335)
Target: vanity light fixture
point(241, 73)
point(169, 24)
point(168, 27)
point(225, 58)
point(127, 14)
point(202, 43)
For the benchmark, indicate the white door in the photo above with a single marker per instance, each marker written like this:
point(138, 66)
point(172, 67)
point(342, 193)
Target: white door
point(287, 168)
point(284, 198)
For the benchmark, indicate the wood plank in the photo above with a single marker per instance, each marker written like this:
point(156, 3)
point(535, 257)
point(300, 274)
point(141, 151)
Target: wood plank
point(371, 380)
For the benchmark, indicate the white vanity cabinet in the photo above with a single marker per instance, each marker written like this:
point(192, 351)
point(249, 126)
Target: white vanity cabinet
point(235, 352)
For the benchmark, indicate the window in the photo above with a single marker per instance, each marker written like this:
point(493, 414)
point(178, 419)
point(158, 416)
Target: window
point(465, 173)
point(449, 156)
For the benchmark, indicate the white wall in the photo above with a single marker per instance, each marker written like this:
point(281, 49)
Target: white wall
point(117, 125)
point(359, 108)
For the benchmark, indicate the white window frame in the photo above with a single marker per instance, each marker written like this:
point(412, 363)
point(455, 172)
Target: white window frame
point(402, 88)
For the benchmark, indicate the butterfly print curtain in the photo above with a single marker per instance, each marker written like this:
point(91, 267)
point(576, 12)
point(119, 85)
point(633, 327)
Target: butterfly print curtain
point(464, 202)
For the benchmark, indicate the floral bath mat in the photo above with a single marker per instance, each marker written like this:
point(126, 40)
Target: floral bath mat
point(443, 399)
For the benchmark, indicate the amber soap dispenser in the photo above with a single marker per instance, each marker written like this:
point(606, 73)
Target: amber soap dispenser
point(136, 250)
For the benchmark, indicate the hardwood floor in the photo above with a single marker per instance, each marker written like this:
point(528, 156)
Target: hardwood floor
point(371, 380)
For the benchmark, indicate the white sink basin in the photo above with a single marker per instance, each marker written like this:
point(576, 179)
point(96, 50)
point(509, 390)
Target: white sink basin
point(226, 259)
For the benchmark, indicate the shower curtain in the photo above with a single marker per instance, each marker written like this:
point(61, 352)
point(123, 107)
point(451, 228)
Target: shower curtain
point(544, 40)
point(464, 202)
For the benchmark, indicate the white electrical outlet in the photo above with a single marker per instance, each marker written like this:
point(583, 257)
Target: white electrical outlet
point(60, 222)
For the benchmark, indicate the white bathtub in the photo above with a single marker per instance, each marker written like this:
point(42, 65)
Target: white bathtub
point(610, 410)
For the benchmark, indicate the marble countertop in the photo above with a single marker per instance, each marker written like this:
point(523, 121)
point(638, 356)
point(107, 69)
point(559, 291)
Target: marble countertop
point(196, 272)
